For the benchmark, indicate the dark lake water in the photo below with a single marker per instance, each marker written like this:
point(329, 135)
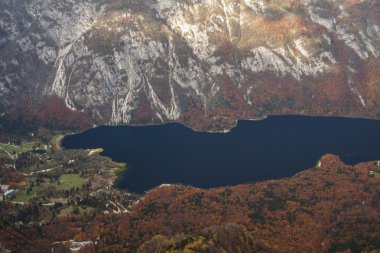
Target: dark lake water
point(277, 147)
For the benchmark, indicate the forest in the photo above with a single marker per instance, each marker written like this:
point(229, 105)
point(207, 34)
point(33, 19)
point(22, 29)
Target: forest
point(28, 116)
point(330, 208)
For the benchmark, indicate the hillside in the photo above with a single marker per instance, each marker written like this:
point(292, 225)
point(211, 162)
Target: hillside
point(66, 197)
point(330, 208)
point(203, 63)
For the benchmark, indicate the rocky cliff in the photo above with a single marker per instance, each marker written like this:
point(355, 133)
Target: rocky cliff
point(204, 63)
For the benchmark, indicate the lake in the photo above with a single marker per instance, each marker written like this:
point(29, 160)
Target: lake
point(277, 147)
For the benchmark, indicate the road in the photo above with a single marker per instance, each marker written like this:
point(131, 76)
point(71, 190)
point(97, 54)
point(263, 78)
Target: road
point(58, 142)
point(46, 204)
point(8, 153)
point(41, 171)
point(120, 207)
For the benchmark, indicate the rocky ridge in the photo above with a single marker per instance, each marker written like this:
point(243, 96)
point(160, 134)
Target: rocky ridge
point(203, 63)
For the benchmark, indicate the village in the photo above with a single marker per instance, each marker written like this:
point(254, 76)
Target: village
point(50, 182)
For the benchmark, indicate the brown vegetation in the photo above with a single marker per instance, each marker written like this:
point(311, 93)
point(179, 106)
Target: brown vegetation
point(27, 117)
point(325, 209)
point(332, 207)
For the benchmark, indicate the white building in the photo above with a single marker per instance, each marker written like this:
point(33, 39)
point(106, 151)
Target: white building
point(76, 246)
point(9, 194)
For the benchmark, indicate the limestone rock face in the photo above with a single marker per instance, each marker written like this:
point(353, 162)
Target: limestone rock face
point(205, 63)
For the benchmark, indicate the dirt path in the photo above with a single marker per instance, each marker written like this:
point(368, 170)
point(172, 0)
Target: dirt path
point(58, 142)
point(46, 204)
point(8, 153)
point(41, 171)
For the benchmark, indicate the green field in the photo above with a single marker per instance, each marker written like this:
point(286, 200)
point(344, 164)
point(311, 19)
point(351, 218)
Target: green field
point(23, 197)
point(17, 148)
point(3, 154)
point(69, 181)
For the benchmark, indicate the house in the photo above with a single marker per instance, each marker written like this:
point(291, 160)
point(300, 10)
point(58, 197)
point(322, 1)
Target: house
point(9, 166)
point(9, 194)
point(22, 184)
point(76, 246)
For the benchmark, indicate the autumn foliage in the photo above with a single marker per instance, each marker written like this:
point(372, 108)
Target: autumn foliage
point(333, 207)
point(330, 208)
point(51, 113)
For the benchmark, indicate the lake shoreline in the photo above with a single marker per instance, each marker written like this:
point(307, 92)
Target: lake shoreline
point(255, 150)
point(227, 130)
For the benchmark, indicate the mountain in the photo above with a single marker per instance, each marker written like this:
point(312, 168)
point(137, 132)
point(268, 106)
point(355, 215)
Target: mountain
point(202, 63)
